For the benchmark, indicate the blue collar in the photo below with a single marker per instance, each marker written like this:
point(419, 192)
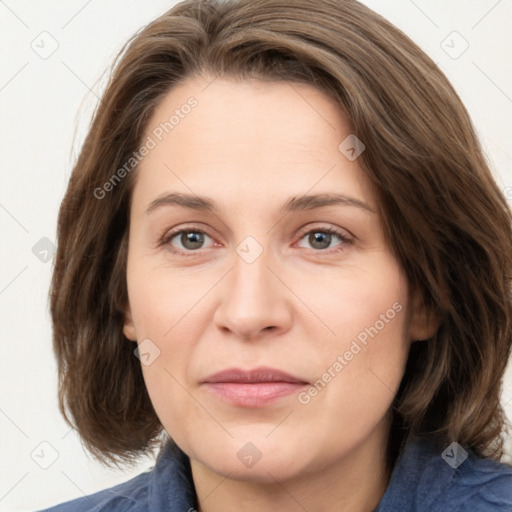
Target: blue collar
point(424, 478)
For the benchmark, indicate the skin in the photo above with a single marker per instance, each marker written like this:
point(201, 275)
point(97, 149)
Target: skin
point(250, 146)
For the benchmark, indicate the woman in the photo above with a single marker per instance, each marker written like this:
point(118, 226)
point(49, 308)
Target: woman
point(283, 258)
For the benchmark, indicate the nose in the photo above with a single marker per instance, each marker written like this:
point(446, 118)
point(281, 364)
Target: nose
point(254, 301)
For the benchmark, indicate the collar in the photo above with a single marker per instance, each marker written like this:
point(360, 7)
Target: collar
point(422, 480)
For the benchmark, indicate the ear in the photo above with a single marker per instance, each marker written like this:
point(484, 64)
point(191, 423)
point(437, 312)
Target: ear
point(423, 322)
point(129, 326)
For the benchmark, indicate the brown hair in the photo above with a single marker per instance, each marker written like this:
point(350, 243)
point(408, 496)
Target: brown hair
point(445, 218)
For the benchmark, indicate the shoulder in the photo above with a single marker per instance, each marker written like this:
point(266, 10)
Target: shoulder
point(130, 496)
point(429, 478)
point(482, 485)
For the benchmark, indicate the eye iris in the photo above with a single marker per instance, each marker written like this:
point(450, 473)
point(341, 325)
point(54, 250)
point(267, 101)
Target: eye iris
point(192, 239)
point(324, 239)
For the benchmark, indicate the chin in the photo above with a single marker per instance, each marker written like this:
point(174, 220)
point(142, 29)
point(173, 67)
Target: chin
point(261, 461)
point(266, 471)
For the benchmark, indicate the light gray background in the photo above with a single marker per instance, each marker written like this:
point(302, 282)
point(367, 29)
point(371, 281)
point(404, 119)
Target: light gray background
point(45, 99)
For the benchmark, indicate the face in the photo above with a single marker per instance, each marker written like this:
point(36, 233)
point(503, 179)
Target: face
point(269, 311)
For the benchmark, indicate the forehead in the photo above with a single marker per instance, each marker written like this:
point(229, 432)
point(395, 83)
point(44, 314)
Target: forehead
point(246, 140)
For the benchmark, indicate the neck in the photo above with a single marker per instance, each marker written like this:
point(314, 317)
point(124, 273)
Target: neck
point(354, 483)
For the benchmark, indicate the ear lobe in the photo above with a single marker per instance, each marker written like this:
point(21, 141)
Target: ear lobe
point(129, 326)
point(423, 322)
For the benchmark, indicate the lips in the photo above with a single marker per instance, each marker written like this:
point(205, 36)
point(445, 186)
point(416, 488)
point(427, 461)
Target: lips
point(257, 375)
point(253, 388)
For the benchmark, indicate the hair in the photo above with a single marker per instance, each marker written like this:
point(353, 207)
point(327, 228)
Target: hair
point(444, 217)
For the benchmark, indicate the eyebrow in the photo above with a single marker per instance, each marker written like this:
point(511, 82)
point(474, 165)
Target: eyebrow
point(294, 204)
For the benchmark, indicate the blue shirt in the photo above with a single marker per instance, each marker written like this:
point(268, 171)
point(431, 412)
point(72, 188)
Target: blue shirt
point(422, 481)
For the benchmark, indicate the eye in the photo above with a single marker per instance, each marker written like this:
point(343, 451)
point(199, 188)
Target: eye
point(192, 240)
point(188, 240)
point(321, 239)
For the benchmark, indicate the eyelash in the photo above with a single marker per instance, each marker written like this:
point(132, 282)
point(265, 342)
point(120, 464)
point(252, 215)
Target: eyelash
point(345, 240)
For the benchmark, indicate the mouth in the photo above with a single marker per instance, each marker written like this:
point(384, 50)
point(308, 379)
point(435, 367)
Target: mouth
point(253, 388)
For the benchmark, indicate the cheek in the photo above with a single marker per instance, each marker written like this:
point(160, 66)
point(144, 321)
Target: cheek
point(364, 303)
point(162, 298)
point(363, 348)
point(162, 313)
point(169, 317)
